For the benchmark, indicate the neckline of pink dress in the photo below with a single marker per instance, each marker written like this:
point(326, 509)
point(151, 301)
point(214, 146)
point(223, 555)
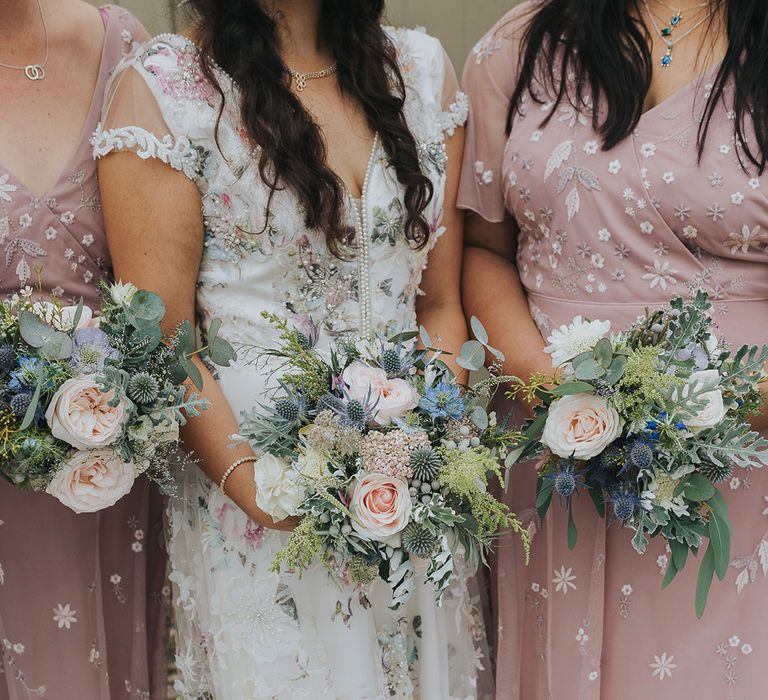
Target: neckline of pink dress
point(88, 124)
point(683, 89)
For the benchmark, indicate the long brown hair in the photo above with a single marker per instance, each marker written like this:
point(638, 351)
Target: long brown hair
point(242, 38)
point(604, 43)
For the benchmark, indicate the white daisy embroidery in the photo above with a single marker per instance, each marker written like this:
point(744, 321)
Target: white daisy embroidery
point(662, 666)
point(737, 198)
point(614, 167)
point(64, 616)
point(660, 274)
point(564, 580)
point(668, 177)
point(648, 150)
point(6, 188)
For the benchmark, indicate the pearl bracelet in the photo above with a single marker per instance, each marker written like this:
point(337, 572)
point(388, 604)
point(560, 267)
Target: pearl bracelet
point(231, 468)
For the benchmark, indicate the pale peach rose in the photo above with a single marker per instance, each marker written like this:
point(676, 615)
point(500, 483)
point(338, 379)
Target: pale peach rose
point(80, 414)
point(393, 398)
point(63, 318)
point(581, 426)
point(381, 505)
point(92, 480)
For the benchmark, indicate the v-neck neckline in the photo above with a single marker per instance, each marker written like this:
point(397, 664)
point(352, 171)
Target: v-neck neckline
point(683, 90)
point(87, 124)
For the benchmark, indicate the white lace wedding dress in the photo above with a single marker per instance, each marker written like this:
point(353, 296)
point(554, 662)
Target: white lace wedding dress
point(244, 632)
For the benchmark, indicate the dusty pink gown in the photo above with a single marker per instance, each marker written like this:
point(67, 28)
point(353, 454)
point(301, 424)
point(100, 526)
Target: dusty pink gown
point(81, 601)
point(604, 234)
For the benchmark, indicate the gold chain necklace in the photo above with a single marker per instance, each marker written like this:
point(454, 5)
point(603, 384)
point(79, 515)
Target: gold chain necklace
point(302, 78)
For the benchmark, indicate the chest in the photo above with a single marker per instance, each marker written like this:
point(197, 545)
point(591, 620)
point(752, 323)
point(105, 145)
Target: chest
point(44, 122)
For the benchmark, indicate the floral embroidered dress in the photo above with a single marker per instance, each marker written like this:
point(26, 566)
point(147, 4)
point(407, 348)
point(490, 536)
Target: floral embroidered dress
point(243, 631)
point(81, 614)
point(604, 234)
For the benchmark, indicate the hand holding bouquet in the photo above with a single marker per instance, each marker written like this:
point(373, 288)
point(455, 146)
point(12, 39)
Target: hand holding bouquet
point(384, 455)
point(87, 404)
point(649, 422)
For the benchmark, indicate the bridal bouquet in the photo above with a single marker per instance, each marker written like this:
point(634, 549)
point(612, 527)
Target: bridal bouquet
point(87, 404)
point(384, 455)
point(649, 422)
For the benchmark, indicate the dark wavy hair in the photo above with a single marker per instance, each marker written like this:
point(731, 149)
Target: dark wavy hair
point(604, 43)
point(242, 38)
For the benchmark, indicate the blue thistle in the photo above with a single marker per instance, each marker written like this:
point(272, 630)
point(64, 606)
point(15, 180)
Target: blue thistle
point(624, 505)
point(20, 403)
point(443, 401)
point(351, 412)
point(7, 358)
point(608, 465)
point(90, 350)
point(566, 481)
point(640, 454)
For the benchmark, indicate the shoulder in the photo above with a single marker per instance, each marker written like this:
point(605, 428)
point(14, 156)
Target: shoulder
point(170, 65)
point(496, 57)
point(124, 33)
point(418, 53)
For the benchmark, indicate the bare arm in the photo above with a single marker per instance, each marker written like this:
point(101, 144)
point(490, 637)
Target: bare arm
point(155, 235)
point(439, 309)
point(493, 292)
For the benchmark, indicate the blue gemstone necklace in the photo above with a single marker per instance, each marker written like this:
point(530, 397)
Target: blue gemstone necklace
point(666, 31)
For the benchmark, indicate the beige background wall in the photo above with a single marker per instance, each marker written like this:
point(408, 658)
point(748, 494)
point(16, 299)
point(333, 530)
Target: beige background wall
point(458, 23)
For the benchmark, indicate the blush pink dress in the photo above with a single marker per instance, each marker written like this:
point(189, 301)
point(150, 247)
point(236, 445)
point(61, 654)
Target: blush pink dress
point(604, 234)
point(81, 600)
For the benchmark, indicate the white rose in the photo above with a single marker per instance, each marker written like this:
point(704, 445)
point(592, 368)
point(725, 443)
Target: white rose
point(392, 398)
point(80, 414)
point(92, 480)
point(122, 293)
point(62, 318)
point(278, 491)
point(581, 426)
point(714, 409)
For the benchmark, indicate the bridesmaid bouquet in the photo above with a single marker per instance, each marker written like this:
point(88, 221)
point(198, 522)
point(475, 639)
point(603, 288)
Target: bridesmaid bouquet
point(649, 422)
point(384, 455)
point(87, 404)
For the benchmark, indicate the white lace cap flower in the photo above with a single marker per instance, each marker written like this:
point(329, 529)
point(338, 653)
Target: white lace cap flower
point(567, 342)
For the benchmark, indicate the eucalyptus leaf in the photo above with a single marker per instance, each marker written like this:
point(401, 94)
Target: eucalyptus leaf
point(543, 498)
point(616, 370)
point(34, 332)
point(698, 488)
point(192, 372)
point(670, 573)
point(146, 307)
point(603, 352)
point(78, 313)
point(426, 341)
point(570, 388)
point(472, 356)
point(478, 329)
point(679, 553)
point(589, 369)
point(479, 417)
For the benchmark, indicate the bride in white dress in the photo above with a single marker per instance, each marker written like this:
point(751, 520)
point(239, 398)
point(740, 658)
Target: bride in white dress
point(322, 194)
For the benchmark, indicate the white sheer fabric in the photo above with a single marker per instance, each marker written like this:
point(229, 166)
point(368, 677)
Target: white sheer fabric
point(244, 632)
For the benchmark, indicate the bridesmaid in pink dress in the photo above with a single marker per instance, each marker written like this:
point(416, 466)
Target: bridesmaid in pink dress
point(603, 233)
point(81, 603)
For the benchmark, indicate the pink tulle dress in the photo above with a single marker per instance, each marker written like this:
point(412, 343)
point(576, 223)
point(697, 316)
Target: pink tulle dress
point(604, 234)
point(81, 601)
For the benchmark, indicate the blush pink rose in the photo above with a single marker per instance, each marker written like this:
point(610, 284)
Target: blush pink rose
point(393, 397)
point(80, 414)
point(581, 426)
point(92, 480)
point(381, 505)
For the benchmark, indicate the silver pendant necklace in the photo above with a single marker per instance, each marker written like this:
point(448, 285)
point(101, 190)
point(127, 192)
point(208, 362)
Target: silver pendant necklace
point(34, 71)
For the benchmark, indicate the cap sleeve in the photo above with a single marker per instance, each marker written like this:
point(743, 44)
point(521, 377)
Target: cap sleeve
point(145, 115)
point(455, 104)
point(490, 75)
